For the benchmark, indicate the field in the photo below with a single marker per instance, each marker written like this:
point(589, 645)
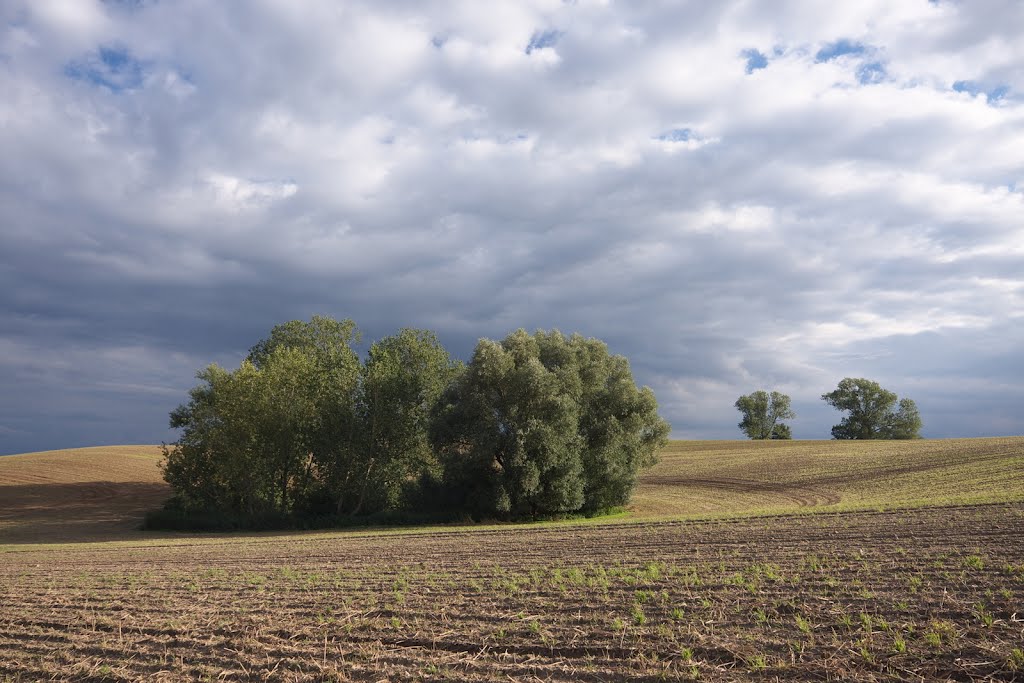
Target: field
point(744, 477)
point(91, 494)
point(782, 564)
point(78, 494)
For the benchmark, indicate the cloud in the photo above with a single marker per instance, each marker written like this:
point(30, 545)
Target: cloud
point(733, 197)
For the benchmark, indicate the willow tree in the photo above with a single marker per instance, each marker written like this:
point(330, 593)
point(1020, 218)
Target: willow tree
point(872, 412)
point(401, 382)
point(334, 440)
point(245, 446)
point(763, 414)
point(544, 424)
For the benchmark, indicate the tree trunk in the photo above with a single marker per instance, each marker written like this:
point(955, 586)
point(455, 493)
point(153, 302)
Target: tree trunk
point(284, 489)
point(341, 492)
point(362, 491)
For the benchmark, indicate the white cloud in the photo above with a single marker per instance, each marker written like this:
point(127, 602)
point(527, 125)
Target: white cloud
point(237, 194)
point(597, 166)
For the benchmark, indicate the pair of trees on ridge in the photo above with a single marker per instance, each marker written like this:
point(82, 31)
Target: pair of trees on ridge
point(873, 413)
point(536, 424)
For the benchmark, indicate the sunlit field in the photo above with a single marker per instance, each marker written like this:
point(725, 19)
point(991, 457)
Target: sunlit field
point(736, 561)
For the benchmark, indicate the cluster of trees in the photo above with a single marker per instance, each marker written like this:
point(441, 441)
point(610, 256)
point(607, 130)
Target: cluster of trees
point(534, 425)
point(872, 413)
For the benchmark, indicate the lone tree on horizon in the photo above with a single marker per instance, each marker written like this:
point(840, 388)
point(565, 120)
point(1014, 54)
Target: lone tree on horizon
point(762, 413)
point(873, 412)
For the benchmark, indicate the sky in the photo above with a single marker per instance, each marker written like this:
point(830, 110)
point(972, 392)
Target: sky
point(733, 195)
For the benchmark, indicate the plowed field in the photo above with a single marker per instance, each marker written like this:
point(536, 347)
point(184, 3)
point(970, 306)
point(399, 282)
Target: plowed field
point(743, 477)
point(91, 494)
point(79, 493)
point(926, 594)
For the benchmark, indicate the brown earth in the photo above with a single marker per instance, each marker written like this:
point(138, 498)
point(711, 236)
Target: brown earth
point(81, 494)
point(918, 595)
point(744, 477)
point(91, 494)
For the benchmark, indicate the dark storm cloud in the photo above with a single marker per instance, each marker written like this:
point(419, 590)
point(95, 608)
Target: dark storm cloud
point(734, 199)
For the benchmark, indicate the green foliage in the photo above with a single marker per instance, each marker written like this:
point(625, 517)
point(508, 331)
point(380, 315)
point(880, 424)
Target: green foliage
point(402, 380)
point(325, 339)
point(302, 430)
point(762, 413)
point(302, 426)
point(873, 412)
point(619, 425)
point(251, 439)
point(904, 423)
point(246, 435)
point(545, 424)
point(334, 444)
point(508, 434)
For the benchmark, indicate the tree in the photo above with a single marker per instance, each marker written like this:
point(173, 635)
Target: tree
point(245, 443)
point(402, 380)
point(905, 423)
point(544, 424)
point(284, 420)
point(619, 425)
point(206, 468)
point(334, 441)
point(873, 412)
point(762, 413)
point(325, 339)
point(535, 425)
point(509, 434)
point(277, 432)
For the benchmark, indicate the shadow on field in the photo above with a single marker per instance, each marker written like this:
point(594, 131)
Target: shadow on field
point(81, 511)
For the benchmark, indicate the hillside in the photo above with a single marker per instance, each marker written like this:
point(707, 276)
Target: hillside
point(711, 478)
point(78, 494)
point(103, 493)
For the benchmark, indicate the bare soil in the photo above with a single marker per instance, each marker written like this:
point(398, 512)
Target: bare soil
point(917, 595)
point(80, 494)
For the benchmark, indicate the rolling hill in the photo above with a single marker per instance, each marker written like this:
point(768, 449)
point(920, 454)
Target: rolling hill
point(102, 493)
point(713, 478)
point(78, 494)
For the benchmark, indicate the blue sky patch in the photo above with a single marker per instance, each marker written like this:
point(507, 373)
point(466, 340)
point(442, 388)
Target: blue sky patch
point(838, 49)
point(755, 60)
point(871, 73)
point(971, 88)
point(110, 67)
point(125, 4)
point(677, 135)
point(542, 39)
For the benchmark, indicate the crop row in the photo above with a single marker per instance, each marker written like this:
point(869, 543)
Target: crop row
point(899, 595)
